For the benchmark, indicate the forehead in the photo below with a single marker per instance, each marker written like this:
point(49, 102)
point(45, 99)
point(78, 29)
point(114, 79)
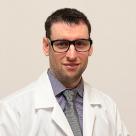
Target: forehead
point(69, 31)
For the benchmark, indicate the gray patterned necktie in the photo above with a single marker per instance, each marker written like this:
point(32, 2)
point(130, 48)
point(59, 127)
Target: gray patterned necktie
point(71, 113)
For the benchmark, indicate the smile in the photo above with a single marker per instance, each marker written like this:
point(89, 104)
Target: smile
point(71, 66)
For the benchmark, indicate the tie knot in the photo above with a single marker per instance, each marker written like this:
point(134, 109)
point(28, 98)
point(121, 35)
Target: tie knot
point(70, 95)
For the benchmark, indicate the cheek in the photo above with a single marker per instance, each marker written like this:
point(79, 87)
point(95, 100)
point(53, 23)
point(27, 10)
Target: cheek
point(84, 57)
point(84, 61)
point(55, 59)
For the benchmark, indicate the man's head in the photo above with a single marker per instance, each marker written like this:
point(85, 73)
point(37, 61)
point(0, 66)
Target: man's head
point(68, 45)
point(68, 16)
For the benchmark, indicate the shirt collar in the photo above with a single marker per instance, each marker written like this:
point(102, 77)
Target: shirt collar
point(58, 87)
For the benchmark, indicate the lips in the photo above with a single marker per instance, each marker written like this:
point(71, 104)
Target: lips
point(71, 66)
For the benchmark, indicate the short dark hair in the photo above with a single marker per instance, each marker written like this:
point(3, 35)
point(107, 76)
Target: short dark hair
point(67, 15)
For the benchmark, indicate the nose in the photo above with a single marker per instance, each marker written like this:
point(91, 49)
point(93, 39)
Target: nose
point(71, 54)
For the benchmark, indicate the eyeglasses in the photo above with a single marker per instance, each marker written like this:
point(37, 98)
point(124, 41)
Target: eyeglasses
point(81, 45)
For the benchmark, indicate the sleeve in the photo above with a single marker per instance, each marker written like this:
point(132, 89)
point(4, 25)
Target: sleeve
point(8, 121)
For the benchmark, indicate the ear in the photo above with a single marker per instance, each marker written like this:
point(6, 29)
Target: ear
point(91, 51)
point(45, 46)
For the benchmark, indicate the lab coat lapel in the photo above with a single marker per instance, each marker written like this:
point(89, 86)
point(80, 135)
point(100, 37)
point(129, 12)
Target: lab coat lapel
point(60, 119)
point(57, 115)
point(88, 114)
point(91, 104)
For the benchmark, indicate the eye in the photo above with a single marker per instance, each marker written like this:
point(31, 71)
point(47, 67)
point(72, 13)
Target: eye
point(61, 44)
point(81, 43)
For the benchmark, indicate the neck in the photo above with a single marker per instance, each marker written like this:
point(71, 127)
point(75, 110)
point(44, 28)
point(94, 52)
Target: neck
point(71, 84)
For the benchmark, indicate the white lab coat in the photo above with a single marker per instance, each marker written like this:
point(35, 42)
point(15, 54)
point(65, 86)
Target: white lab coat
point(34, 111)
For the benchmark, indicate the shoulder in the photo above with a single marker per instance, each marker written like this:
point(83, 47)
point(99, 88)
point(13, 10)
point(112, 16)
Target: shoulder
point(27, 92)
point(26, 97)
point(21, 98)
point(96, 96)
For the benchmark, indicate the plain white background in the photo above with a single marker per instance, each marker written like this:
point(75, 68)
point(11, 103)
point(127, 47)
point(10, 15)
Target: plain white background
point(112, 66)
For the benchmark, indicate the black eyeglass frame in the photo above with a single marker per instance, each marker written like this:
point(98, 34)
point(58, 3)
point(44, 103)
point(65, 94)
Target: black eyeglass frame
point(71, 42)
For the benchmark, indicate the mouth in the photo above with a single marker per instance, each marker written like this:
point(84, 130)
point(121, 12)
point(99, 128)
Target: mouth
point(71, 66)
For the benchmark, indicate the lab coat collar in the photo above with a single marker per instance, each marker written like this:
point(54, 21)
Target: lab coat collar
point(44, 96)
point(92, 95)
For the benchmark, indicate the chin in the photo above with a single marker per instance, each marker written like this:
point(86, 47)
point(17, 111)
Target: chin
point(72, 77)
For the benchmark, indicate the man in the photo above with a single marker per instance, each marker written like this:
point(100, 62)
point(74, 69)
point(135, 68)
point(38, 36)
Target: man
point(60, 102)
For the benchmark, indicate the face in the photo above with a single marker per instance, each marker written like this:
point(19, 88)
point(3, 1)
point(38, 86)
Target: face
point(68, 66)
